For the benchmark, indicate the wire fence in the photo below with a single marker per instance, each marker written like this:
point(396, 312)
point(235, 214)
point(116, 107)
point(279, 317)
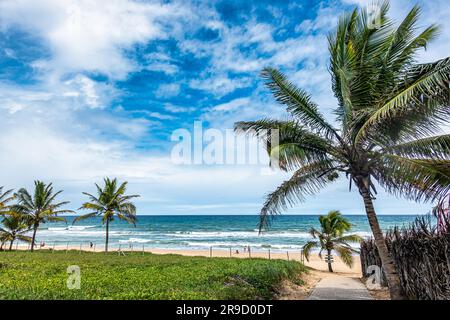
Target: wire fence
point(122, 249)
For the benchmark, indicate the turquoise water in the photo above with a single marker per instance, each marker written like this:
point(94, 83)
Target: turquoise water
point(288, 232)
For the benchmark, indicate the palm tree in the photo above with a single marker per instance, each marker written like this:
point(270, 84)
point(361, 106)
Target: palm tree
point(388, 106)
point(5, 197)
point(331, 237)
point(39, 208)
point(14, 228)
point(111, 201)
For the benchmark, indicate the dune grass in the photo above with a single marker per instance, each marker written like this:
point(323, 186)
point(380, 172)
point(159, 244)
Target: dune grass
point(43, 275)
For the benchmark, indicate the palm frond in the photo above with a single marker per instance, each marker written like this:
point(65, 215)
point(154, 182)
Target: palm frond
point(348, 238)
point(296, 145)
point(84, 217)
point(307, 180)
point(307, 248)
point(298, 102)
point(414, 179)
point(345, 253)
point(430, 80)
point(437, 147)
point(24, 238)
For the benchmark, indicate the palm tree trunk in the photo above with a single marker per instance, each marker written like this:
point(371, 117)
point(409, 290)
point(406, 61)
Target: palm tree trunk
point(34, 237)
point(10, 245)
point(330, 269)
point(107, 235)
point(387, 262)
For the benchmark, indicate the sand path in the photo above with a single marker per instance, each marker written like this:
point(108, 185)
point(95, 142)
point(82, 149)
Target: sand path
point(339, 287)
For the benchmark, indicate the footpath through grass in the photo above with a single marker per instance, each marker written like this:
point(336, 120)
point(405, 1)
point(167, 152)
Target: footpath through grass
point(43, 275)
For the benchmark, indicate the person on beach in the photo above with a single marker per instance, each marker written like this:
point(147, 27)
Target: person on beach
point(91, 244)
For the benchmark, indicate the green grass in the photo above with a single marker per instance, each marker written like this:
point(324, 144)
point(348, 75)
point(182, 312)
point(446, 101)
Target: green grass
point(43, 275)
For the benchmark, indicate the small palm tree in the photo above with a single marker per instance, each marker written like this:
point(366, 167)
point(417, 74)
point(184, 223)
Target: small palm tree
point(331, 237)
point(14, 228)
point(39, 208)
point(5, 197)
point(388, 105)
point(111, 201)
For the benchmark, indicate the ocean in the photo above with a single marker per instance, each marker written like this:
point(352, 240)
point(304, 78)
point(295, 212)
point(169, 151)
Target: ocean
point(287, 232)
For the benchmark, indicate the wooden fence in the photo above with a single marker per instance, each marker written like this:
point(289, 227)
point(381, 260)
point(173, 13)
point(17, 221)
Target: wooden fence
point(422, 257)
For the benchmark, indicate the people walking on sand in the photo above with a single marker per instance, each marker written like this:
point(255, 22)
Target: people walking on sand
point(91, 245)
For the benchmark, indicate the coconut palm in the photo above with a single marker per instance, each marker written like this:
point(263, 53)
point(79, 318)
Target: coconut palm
point(5, 197)
point(388, 108)
point(332, 238)
point(39, 208)
point(110, 202)
point(14, 227)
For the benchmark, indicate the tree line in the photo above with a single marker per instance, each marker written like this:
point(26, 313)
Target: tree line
point(23, 212)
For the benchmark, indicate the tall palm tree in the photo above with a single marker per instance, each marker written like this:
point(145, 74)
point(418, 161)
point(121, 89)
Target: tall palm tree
point(5, 197)
point(388, 106)
point(14, 228)
point(39, 208)
point(331, 237)
point(111, 201)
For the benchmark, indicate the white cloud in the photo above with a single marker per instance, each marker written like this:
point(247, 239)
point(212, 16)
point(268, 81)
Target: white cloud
point(220, 85)
point(158, 115)
point(83, 35)
point(232, 105)
point(161, 62)
point(178, 109)
point(167, 90)
point(91, 94)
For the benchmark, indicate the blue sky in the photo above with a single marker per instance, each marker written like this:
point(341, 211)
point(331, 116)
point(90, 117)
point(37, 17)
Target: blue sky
point(95, 88)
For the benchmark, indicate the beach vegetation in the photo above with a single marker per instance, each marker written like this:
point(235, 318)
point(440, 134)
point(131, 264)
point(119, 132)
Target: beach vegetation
point(40, 207)
point(331, 238)
point(5, 198)
point(111, 202)
point(13, 227)
point(44, 275)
